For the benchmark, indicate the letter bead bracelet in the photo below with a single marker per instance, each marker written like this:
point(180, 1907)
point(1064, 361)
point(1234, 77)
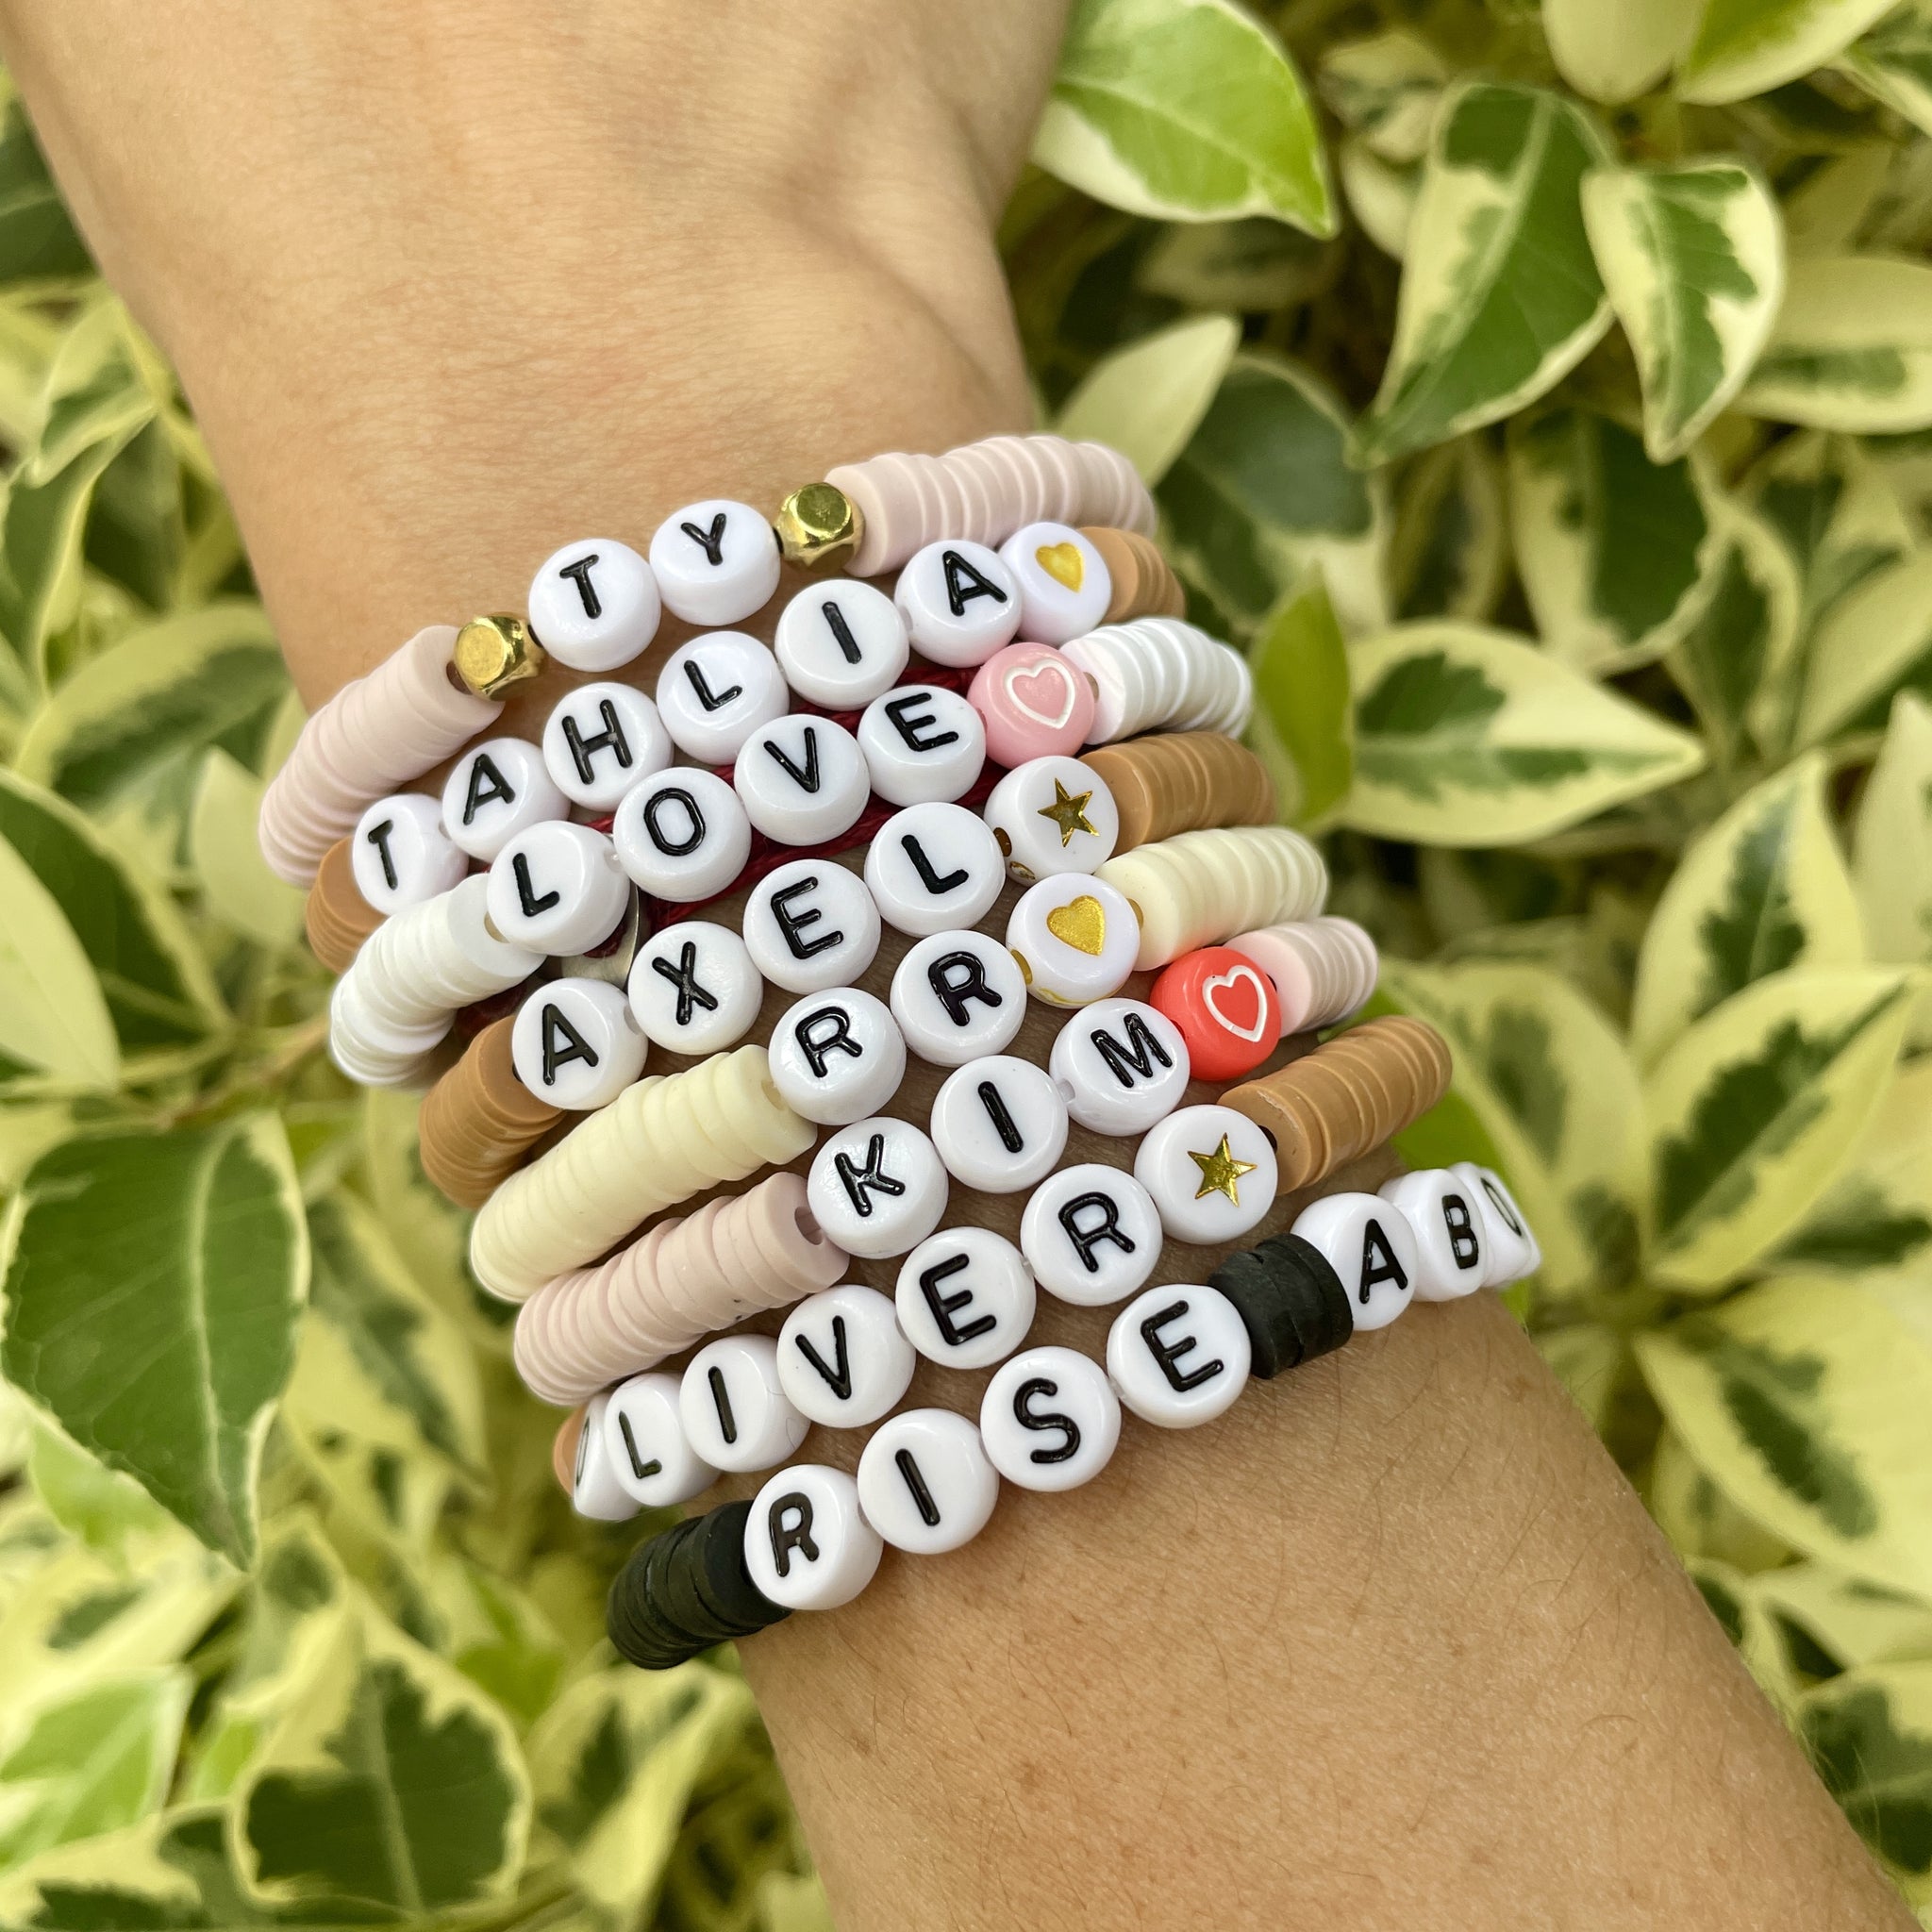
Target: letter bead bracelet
point(661, 969)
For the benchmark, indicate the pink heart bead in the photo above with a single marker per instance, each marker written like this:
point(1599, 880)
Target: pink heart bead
point(1035, 703)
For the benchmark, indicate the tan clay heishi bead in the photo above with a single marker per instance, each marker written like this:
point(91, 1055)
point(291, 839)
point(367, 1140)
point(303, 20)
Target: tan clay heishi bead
point(1182, 781)
point(1145, 584)
point(480, 1120)
point(338, 918)
point(563, 1451)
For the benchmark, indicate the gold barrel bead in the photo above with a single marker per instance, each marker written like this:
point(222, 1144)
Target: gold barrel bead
point(818, 525)
point(492, 653)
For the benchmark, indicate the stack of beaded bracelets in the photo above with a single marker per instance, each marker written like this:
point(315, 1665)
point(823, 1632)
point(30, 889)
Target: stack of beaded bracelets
point(1064, 733)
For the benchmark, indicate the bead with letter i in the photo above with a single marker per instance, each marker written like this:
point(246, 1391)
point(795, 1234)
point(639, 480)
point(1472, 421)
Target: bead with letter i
point(926, 1482)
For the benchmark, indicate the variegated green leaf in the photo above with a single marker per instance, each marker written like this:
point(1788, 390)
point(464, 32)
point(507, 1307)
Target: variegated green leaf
point(1891, 841)
point(1893, 62)
point(1826, 214)
point(53, 1018)
point(106, 1510)
point(1247, 264)
point(1381, 194)
point(497, 1636)
point(226, 856)
point(1875, 642)
point(1386, 90)
point(171, 1870)
point(1701, 1520)
point(1853, 1621)
point(1303, 722)
point(38, 242)
point(1751, 1629)
point(1746, 47)
point(1869, 1734)
point(1450, 552)
point(1852, 347)
point(1147, 400)
point(1612, 53)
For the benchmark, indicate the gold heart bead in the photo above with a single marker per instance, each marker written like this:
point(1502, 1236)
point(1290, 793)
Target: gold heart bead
point(1080, 924)
point(1063, 563)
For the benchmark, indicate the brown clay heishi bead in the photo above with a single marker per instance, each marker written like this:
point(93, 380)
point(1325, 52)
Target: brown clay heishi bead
point(480, 1120)
point(1144, 585)
point(563, 1451)
point(1182, 781)
point(338, 917)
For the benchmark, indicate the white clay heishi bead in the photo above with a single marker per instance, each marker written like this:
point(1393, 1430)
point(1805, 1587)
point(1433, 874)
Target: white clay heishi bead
point(682, 835)
point(371, 1054)
point(965, 1298)
point(933, 867)
point(803, 779)
point(957, 997)
point(594, 604)
point(921, 742)
point(693, 988)
point(958, 601)
point(1324, 969)
point(1090, 1234)
point(557, 888)
point(645, 1440)
point(1065, 585)
point(843, 1357)
point(594, 1489)
point(926, 1482)
point(878, 1188)
point(734, 1408)
point(1159, 674)
point(599, 740)
point(1000, 1124)
point(1178, 1356)
point(1211, 1173)
point(837, 1055)
point(1050, 1420)
point(400, 854)
point(715, 562)
point(1445, 1214)
point(495, 792)
point(811, 925)
point(1122, 1065)
point(1372, 1248)
point(1075, 938)
point(1514, 1251)
point(1197, 887)
point(716, 690)
point(807, 1543)
point(1052, 815)
point(576, 1043)
point(841, 643)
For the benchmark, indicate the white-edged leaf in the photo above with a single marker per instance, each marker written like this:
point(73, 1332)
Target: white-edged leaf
point(221, 842)
point(1875, 642)
point(1852, 347)
point(1147, 400)
point(1893, 62)
point(1303, 722)
point(1611, 53)
point(53, 1018)
point(1826, 211)
point(1869, 1735)
point(1892, 840)
point(1249, 264)
point(1856, 1622)
point(1381, 194)
point(1385, 89)
point(1449, 556)
point(1745, 48)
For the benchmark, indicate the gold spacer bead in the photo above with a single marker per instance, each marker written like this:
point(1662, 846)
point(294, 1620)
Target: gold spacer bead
point(493, 653)
point(817, 523)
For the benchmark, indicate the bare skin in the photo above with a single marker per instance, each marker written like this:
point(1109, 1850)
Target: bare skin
point(1392, 1645)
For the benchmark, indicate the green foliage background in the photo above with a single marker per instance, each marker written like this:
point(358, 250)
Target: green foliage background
point(1544, 398)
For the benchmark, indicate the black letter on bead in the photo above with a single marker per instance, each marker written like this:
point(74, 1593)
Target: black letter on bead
point(579, 573)
point(684, 976)
point(956, 977)
point(816, 1044)
point(1147, 1049)
point(1378, 1262)
point(483, 771)
point(964, 583)
point(792, 924)
point(526, 892)
point(695, 834)
point(721, 1400)
point(834, 621)
point(860, 1182)
point(1168, 1354)
point(806, 777)
point(378, 836)
point(1030, 1418)
point(611, 738)
point(1002, 1124)
point(910, 728)
point(1463, 1244)
point(640, 1467)
point(1107, 1228)
point(915, 1482)
point(1499, 1202)
point(924, 867)
point(795, 1534)
point(712, 700)
point(713, 541)
point(944, 1307)
point(839, 1377)
point(562, 1043)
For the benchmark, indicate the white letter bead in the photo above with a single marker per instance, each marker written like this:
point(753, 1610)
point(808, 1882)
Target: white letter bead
point(1123, 1065)
point(594, 1489)
point(921, 742)
point(842, 1357)
point(965, 1298)
point(1075, 940)
point(1090, 1234)
point(837, 1057)
point(999, 1123)
point(1178, 1356)
point(600, 740)
point(811, 925)
point(733, 1406)
point(1053, 815)
point(576, 1044)
point(807, 1543)
point(1372, 1248)
point(803, 779)
point(715, 562)
point(1445, 1214)
point(957, 997)
point(932, 867)
point(557, 889)
point(716, 690)
point(494, 792)
point(682, 835)
point(960, 602)
point(877, 1187)
point(401, 856)
point(1211, 1173)
point(595, 604)
point(694, 989)
point(1049, 1419)
point(1065, 585)
point(1515, 1250)
point(926, 1483)
point(841, 643)
point(647, 1446)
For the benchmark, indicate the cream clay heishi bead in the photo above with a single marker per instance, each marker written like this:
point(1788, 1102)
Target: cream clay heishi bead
point(1065, 586)
point(576, 1043)
point(965, 1298)
point(921, 742)
point(1075, 940)
point(646, 1442)
point(595, 604)
point(841, 643)
point(878, 1188)
point(716, 690)
point(1000, 1124)
point(600, 740)
point(1372, 1248)
point(682, 835)
point(807, 1543)
point(715, 562)
point(1211, 1173)
point(594, 1489)
point(401, 856)
point(957, 996)
point(926, 1482)
point(932, 867)
point(837, 1055)
point(1053, 815)
point(810, 926)
point(842, 1359)
point(803, 779)
point(1450, 1236)
point(1178, 1356)
point(557, 889)
point(1122, 1065)
point(693, 988)
point(494, 792)
point(1515, 1250)
point(1090, 1234)
point(960, 602)
point(734, 1409)
point(1050, 1420)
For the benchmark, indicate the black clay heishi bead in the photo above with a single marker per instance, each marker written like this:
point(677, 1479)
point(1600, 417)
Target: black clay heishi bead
point(1291, 1301)
point(723, 1583)
point(641, 1634)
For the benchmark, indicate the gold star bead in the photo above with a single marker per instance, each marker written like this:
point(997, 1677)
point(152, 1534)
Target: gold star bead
point(1220, 1172)
point(1068, 812)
